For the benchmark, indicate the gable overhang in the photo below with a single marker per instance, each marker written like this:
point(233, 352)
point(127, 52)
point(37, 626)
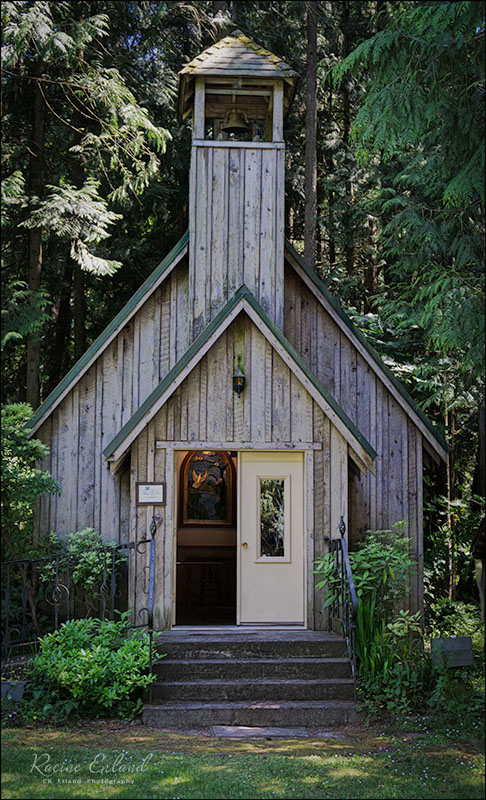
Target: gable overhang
point(160, 273)
point(434, 442)
point(243, 301)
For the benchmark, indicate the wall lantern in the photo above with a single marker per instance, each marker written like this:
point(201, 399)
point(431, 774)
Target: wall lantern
point(238, 380)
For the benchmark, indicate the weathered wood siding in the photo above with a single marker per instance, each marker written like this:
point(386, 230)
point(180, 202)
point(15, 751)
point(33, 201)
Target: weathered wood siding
point(396, 492)
point(274, 407)
point(236, 227)
point(97, 407)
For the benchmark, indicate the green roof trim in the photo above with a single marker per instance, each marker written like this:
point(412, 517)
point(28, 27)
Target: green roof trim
point(334, 302)
point(242, 293)
point(109, 330)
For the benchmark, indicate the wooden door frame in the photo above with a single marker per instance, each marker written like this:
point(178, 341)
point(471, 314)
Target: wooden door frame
point(307, 449)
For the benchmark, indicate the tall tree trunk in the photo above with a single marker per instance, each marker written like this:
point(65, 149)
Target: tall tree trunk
point(35, 236)
point(79, 299)
point(63, 323)
point(371, 269)
point(79, 312)
point(450, 424)
point(311, 138)
point(348, 188)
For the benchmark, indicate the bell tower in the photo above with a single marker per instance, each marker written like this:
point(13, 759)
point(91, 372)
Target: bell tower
point(238, 94)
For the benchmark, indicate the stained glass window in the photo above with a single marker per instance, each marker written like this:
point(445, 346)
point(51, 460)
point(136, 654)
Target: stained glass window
point(207, 481)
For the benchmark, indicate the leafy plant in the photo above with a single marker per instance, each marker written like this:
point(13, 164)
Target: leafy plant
point(91, 559)
point(93, 667)
point(381, 568)
point(22, 481)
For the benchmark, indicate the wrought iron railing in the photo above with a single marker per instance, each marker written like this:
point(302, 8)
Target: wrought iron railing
point(343, 611)
point(39, 594)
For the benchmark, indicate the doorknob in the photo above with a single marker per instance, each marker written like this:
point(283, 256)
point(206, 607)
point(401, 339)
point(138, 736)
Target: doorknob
point(244, 544)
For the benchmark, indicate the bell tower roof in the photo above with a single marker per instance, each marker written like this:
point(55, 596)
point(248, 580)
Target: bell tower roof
point(235, 56)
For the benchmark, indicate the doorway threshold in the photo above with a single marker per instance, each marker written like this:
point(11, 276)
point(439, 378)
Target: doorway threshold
point(235, 629)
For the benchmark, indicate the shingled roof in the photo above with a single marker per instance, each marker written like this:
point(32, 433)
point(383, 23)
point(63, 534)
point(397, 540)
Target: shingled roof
point(236, 56)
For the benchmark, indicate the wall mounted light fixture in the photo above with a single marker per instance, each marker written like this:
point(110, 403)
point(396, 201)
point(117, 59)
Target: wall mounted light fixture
point(238, 379)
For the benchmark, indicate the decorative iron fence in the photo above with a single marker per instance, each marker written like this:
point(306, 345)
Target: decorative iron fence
point(344, 609)
point(39, 594)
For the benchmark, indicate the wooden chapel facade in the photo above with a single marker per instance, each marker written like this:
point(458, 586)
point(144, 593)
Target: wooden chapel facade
point(255, 480)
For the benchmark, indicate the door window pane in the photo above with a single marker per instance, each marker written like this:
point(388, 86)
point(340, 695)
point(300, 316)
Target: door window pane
point(272, 541)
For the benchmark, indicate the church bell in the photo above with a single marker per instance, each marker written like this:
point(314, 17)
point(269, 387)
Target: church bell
point(235, 122)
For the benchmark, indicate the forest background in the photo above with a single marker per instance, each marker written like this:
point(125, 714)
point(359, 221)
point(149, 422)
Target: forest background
point(384, 194)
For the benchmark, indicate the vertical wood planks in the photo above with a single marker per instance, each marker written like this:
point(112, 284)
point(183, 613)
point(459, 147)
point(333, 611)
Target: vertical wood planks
point(277, 127)
point(282, 411)
point(321, 520)
point(258, 389)
point(339, 481)
point(64, 472)
point(218, 245)
point(198, 119)
point(252, 220)
point(301, 419)
point(166, 589)
point(235, 229)
point(279, 238)
point(86, 452)
point(395, 463)
point(309, 535)
point(267, 287)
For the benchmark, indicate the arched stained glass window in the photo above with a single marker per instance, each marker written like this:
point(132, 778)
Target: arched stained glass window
point(207, 480)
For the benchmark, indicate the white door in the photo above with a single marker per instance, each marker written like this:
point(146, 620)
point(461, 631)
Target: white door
point(271, 586)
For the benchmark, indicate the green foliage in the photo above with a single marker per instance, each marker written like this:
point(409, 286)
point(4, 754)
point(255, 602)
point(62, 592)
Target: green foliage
point(422, 118)
point(23, 312)
point(91, 559)
point(381, 568)
point(91, 667)
point(394, 670)
point(22, 481)
point(82, 217)
point(454, 524)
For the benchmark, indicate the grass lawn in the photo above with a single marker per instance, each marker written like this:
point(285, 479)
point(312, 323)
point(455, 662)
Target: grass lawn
point(110, 759)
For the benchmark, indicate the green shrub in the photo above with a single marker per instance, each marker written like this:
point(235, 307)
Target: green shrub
point(381, 568)
point(92, 667)
point(446, 617)
point(394, 670)
point(85, 551)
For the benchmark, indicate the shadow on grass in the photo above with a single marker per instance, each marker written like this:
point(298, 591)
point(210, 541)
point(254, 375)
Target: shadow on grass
point(146, 764)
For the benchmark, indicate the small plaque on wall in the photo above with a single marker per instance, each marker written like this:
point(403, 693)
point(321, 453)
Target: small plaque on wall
point(150, 494)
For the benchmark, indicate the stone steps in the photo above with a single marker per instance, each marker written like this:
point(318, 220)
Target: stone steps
point(251, 668)
point(333, 648)
point(254, 689)
point(306, 713)
point(260, 678)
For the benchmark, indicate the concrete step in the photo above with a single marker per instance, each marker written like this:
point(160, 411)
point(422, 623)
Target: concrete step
point(251, 689)
point(332, 648)
point(252, 668)
point(310, 714)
